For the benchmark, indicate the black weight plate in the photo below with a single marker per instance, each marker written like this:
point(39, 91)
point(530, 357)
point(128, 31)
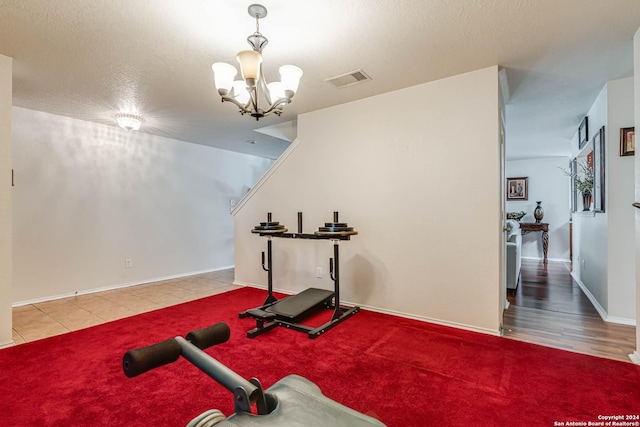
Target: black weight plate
point(269, 223)
point(269, 227)
point(335, 229)
point(283, 230)
point(335, 224)
point(335, 233)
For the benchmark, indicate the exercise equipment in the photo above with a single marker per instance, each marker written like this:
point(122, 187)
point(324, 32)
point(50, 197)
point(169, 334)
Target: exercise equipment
point(292, 401)
point(289, 311)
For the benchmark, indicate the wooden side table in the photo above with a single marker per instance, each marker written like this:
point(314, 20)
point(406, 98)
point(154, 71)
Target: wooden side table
point(527, 227)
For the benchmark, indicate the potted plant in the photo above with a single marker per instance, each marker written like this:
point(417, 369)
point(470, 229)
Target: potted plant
point(584, 183)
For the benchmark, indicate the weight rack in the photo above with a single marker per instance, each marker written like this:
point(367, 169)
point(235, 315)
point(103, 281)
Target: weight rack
point(288, 311)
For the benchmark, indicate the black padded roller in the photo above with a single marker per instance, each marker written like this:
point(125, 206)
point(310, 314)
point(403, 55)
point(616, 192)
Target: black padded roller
point(141, 360)
point(210, 336)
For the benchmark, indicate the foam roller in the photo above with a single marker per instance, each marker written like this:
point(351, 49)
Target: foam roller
point(141, 360)
point(209, 336)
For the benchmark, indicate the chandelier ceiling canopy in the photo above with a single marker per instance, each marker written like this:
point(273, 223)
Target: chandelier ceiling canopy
point(249, 93)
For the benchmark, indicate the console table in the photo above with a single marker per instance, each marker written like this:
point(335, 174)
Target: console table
point(527, 227)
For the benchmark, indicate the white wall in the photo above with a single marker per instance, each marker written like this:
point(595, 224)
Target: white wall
point(88, 196)
point(548, 184)
point(603, 260)
point(620, 195)
point(5, 201)
point(636, 96)
point(591, 256)
point(417, 173)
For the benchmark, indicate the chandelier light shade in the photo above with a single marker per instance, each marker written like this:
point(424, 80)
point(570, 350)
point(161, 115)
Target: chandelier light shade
point(250, 62)
point(224, 74)
point(250, 93)
point(290, 77)
point(129, 121)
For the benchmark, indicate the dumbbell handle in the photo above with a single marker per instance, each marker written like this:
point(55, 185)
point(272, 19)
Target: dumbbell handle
point(141, 360)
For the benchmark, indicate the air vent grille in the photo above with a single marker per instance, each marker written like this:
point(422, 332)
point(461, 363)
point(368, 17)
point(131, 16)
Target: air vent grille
point(348, 79)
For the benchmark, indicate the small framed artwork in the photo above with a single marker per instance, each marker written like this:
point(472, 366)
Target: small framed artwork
point(627, 142)
point(517, 189)
point(583, 133)
point(598, 171)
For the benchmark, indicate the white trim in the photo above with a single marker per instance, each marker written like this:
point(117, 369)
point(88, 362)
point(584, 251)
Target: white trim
point(601, 311)
point(584, 213)
point(620, 320)
point(392, 312)
point(253, 285)
point(266, 176)
point(635, 357)
point(7, 344)
point(112, 287)
point(548, 259)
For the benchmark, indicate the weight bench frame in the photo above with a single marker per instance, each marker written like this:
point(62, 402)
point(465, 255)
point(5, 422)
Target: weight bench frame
point(267, 320)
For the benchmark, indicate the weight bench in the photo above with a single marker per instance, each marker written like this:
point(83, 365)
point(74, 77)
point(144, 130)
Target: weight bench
point(290, 311)
point(292, 401)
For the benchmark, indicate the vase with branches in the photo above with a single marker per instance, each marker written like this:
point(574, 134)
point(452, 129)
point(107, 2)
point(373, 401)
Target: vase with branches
point(584, 181)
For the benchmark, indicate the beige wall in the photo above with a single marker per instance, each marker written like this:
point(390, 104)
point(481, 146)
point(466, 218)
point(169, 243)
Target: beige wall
point(417, 173)
point(6, 225)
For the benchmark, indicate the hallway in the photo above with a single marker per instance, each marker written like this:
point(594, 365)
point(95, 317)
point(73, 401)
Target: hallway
point(550, 309)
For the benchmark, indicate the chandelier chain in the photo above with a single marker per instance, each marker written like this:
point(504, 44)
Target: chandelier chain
point(258, 25)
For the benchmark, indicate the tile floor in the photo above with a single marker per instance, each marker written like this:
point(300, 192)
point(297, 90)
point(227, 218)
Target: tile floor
point(41, 320)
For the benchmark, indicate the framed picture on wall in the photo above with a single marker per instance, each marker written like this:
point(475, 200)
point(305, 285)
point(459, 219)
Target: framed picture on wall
point(583, 133)
point(627, 142)
point(517, 189)
point(598, 171)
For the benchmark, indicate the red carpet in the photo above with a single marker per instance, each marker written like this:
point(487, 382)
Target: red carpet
point(404, 372)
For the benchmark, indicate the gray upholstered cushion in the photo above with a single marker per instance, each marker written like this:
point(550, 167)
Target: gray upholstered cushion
point(514, 230)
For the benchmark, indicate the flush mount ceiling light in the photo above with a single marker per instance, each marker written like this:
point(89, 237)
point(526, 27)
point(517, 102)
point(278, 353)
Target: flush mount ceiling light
point(129, 121)
point(246, 93)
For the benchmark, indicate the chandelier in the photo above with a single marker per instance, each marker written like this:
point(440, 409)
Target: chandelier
point(248, 93)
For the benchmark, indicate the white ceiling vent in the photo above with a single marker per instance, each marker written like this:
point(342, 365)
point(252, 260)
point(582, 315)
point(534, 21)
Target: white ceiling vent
point(350, 78)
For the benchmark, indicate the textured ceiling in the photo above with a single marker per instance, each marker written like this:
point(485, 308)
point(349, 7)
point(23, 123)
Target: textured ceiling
point(90, 59)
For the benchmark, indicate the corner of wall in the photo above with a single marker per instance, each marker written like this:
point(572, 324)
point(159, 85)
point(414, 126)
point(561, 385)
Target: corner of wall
point(6, 200)
point(266, 176)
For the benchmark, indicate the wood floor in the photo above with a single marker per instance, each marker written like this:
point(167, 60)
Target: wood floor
point(550, 309)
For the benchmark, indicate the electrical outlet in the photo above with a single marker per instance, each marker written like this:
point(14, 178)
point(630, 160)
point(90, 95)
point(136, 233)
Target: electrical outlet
point(319, 272)
point(128, 263)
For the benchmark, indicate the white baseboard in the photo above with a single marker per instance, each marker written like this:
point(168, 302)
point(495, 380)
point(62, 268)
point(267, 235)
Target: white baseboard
point(601, 311)
point(7, 344)
point(548, 259)
point(112, 287)
point(635, 357)
point(391, 312)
